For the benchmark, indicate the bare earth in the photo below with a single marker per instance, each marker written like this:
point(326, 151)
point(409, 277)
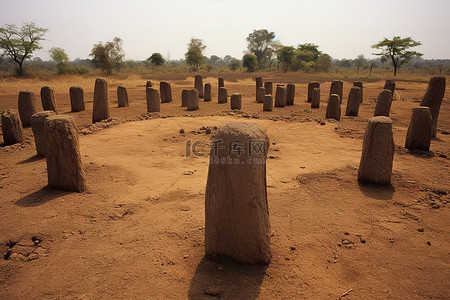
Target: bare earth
point(138, 233)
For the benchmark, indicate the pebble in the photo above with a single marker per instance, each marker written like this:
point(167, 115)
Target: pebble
point(272, 156)
point(420, 229)
point(181, 130)
point(208, 131)
point(428, 243)
point(292, 248)
point(220, 268)
point(186, 256)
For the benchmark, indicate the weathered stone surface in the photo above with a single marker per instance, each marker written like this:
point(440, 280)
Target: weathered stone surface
point(354, 100)
point(184, 95)
point(122, 96)
point(259, 83)
point(76, 99)
point(220, 82)
point(223, 95)
point(27, 107)
point(333, 108)
point(64, 168)
point(383, 106)
point(280, 96)
point(147, 85)
point(418, 136)
point(290, 93)
point(378, 152)
point(12, 127)
point(236, 210)
point(337, 87)
point(153, 104)
point(261, 94)
point(199, 85)
point(236, 101)
point(433, 99)
point(100, 109)
point(360, 85)
point(48, 99)
point(192, 99)
point(269, 87)
point(207, 95)
point(166, 92)
point(268, 103)
point(311, 87)
point(38, 125)
point(390, 85)
point(315, 101)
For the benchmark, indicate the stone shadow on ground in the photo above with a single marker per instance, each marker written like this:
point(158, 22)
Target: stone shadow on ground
point(41, 196)
point(31, 159)
point(226, 279)
point(380, 192)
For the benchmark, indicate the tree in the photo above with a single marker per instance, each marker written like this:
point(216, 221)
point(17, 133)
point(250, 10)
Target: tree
point(323, 62)
point(259, 42)
point(156, 59)
point(107, 56)
point(19, 44)
point(308, 52)
point(360, 60)
point(194, 55)
point(397, 50)
point(234, 64)
point(250, 62)
point(59, 56)
point(285, 56)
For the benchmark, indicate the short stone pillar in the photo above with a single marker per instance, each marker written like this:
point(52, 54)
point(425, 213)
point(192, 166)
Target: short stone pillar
point(122, 96)
point(100, 109)
point(148, 85)
point(311, 87)
point(333, 108)
point(38, 125)
point(192, 99)
point(269, 87)
point(198, 84)
point(383, 106)
point(390, 85)
point(337, 87)
point(290, 94)
point(354, 100)
point(259, 83)
point(418, 136)
point(153, 104)
point(64, 168)
point(261, 94)
point(315, 101)
point(237, 221)
point(280, 96)
point(236, 101)
point(76, 98)
point(360, 85)
point(48, 99)
point(268, 103)
point(166, 92)
point(378, 152)
point(220, 82)
point(433, 99)
point(184, 95)
point(223, 95)
point(27, 107)
point(12, 129)
point(207, 95)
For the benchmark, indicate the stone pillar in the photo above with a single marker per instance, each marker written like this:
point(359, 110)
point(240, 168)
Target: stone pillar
point(384, 102)
point(223, 95)
point(100, 109)
point(12, 127)
point(280, 96)
point(354, 100)
point(207, 96)
point(76, 98)
point(360, 85)
point(192, 99)
point(269, 87)
point(418, 136)
point(333, 108)
point(390, 85)
point(220, 81)
point(268, 103)
point(27, 107)
point(290, 94)
point(147, 85)
point(64, 168)
point(184, 95)
point(236, 101)
point(199, 85)
point(433, 99)
point(122, 96)
point(337, 87)
point(311, 87)
point(38, 125)
point(48, 99)
point(378, 152)
point(259, 84)
point(261, 94)
point(315, 101)
point(166, 92)
point(236, 210)
point(153, 104)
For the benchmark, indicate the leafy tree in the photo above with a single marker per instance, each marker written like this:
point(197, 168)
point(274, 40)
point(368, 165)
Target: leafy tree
point(397, 50)
point(344, 63)
point(214, 59)
point(62, 60)
point(308, 52)
point(234, 64)
point(259, 42)
point(250, 62)
point(323, 62)
point(20, 43)
point(286, 56)
point(107, 56)
point(360, 60)
point(156, 59)
point(194, 55)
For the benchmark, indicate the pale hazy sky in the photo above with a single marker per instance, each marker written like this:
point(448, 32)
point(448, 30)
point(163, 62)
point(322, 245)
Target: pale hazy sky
point(343, 29)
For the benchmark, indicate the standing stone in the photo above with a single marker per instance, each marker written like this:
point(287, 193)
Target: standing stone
point(223, 95)
point(12, 127)
point(207, 95)
point(269, 87)
point(315, 101)
point(122, 96)
point(166, 92)
point(38, 124)
point(390, 85)
point(354, 100)
point(153, 104)
point(384, 102)
point(378, 152)
point(63, 157)
point(261, 94)
point(236, 101)
point(268, 103)
point(48, 99)
point(433, 99)
point(147, 85)
point(360, 85)
point(337, 87)
point(419, 130)
point(192, 99)
point(27, 107)
point(333, 108)
point(101, 101)
point(311, 87)
point(199, 85)
point(280, 96)
point(76, 98)
point(290, 93)
point(259, 83)
point(220, 81)
point(237, 221)
point(184, 95)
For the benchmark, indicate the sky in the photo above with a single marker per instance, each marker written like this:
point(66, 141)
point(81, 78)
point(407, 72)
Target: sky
point(343, 28)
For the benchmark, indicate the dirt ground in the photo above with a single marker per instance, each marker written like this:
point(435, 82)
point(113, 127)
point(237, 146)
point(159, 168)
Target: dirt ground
point(138, 233)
